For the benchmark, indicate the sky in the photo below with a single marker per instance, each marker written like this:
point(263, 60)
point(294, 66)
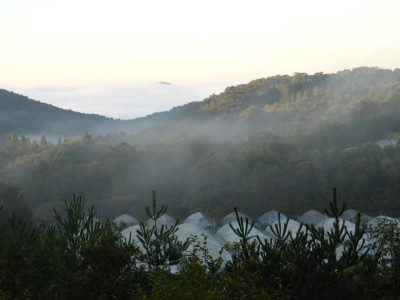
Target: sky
point(109, 57)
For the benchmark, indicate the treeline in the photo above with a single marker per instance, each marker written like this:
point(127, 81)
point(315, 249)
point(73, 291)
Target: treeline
point(263, 172)
point(78, 258)
point(303, 92)
point(275, 143)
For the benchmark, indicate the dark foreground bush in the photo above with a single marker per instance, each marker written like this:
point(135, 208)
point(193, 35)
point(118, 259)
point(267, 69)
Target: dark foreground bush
point(79, 258)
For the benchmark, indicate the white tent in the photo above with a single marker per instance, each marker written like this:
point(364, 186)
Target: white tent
point(201, 220)
point(204, 238)
point(127, 220)
point(230, 236)
point(351, 215)
point(292, 226)
point(312, 217)
point(270, 217)
point(185, 231)
point(339, 251)
point(131, 232)
point(373, 223)
point(384, 143)
point(232, 217)
point(329, 223)
point(163, 220)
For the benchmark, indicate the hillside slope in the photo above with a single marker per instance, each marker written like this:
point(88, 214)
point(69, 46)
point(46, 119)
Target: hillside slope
point(278, 143)
point(293, 102)
point(359, 100)
point(21, 115)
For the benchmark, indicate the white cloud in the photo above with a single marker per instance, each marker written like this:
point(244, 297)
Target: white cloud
point(121, 101)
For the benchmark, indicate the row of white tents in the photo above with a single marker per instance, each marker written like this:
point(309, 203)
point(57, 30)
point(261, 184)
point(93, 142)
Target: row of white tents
point(314, 217)
point(208, 235)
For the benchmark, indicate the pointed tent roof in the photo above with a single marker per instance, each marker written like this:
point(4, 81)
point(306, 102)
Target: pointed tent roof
point(165, 219)
point(270, 217)
point(328, 225)
point(375, 221)
point(293, 226)
point(232, 217)
point(126, 219)
point(351, 215)
point(312, 217)
point(230, 236)
point(131, 232)
point(200, 220)
point(188, 230)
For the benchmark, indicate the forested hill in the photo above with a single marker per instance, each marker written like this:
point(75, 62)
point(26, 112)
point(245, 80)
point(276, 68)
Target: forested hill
point(21, 115)
point(362, 103)
point(302, 91)
point(285, 104)
point(275, 143)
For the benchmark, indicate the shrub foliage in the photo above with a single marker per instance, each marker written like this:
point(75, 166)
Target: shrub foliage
point(79, 258)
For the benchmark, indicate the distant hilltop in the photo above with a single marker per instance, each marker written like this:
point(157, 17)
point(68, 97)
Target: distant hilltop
point(300, 103)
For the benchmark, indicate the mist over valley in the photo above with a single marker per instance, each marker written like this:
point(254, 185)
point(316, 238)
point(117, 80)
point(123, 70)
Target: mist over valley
point(274, 143)
point(199, 150)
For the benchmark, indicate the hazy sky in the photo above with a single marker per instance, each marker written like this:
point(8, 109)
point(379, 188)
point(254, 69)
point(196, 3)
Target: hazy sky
point(94, 48)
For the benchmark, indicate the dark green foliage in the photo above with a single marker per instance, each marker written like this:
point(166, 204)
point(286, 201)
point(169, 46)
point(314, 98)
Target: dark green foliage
point(116, 179)
point(385, 253)
point(76, 259)
point(17, 248)
point(13, 202)
point(199, 277)
point(161, 246)
point(98, 264)
point(43, 141)
point(305, 263)
point(81, 259)
point(246, 248)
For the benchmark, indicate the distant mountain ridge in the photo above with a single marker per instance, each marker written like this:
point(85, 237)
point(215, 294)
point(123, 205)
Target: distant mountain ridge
point(296, 101)
point(21, 115)
point(284, 92)
point(274, 143)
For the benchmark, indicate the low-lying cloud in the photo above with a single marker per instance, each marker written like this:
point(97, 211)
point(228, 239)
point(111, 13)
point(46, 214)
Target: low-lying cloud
point(121, 101)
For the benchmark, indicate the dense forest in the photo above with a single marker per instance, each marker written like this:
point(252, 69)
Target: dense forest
point(277, 143)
